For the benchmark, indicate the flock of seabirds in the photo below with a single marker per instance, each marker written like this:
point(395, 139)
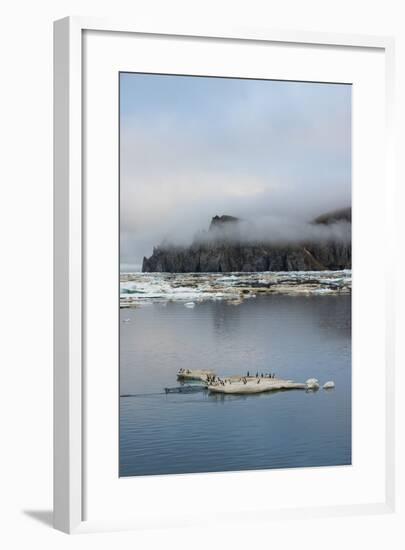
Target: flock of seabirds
point(214, 379)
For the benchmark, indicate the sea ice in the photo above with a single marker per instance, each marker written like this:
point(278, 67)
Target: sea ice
point(143, 288)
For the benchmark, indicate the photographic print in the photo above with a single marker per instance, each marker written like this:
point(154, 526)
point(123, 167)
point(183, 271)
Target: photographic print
point(235, 274)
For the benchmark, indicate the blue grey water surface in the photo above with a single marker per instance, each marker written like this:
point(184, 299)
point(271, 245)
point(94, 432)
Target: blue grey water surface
point(296, 337)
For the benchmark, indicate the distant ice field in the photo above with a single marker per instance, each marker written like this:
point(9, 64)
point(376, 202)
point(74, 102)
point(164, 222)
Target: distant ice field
point(137, 289)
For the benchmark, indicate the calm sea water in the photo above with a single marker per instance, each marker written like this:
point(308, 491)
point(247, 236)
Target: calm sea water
point(295, 337)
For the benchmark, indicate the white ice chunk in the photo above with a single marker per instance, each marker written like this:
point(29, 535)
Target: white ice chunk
point(312, 384)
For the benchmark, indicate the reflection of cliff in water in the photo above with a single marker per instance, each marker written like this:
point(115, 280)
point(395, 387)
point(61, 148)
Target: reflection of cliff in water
point(225, 319)
point(330, 315)
point(335, 316)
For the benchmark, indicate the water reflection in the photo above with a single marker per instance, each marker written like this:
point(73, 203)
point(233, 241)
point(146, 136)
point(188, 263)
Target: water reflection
point(296, 337)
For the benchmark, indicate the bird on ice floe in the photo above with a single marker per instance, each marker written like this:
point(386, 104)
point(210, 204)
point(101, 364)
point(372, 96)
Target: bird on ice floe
point(329, 385)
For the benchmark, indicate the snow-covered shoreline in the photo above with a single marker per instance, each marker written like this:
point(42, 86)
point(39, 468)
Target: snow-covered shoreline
point(142, 288)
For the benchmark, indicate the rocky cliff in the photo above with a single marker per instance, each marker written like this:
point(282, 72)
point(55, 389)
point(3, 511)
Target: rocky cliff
point(224, 250)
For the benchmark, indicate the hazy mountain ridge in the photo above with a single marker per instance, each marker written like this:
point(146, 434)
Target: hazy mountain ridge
point(231, 246)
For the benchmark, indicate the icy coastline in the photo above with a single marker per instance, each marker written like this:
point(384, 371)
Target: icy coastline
point(137, 289)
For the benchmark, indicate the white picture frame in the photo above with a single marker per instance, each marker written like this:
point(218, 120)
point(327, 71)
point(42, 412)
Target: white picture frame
point(69, 208)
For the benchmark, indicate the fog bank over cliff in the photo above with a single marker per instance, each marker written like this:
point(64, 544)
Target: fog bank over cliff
point(273, 230)
point(234, 245)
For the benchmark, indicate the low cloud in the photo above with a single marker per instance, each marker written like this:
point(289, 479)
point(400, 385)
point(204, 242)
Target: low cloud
point(277, 230)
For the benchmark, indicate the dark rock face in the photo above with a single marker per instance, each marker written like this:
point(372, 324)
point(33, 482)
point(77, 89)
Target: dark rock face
point(203, 259)
point(220, 221)
point(223, 255)
point(343, 214)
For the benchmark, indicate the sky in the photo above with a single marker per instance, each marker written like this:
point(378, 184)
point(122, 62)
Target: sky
point(275, 152)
